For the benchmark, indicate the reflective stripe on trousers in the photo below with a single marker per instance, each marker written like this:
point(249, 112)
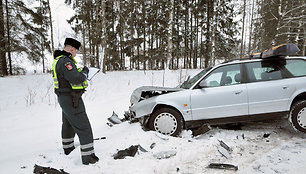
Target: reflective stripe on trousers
point(87, 149)
point(68, 142)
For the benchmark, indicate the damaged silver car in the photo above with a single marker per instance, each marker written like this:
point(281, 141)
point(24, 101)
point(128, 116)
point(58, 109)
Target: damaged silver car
point(262, 86)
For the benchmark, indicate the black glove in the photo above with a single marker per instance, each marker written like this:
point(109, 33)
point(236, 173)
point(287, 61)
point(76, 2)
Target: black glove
point(85, 70)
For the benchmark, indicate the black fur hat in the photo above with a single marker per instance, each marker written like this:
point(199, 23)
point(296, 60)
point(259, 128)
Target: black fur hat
point(72, 42)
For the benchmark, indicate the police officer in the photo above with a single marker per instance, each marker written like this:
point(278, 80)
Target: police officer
point(70, 84)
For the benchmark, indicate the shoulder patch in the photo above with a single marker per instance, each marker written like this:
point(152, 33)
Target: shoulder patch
point(69, 66)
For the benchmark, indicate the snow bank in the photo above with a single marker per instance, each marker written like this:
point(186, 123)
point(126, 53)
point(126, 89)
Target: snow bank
point(30, 124)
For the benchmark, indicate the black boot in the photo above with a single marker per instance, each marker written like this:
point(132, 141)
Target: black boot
point(67, 151)
point(91, 159)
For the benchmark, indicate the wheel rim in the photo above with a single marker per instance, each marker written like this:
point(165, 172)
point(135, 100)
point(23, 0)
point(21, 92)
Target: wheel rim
point(301, 118)
point(165, 123)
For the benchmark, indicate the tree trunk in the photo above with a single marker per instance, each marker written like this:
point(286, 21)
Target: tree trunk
point(42, 46)
point(84, 45)
point(3, 65)
point(42, 53)
point(144, 34)
point(213, 32)
point(191, 36)
point(251, 28)
point(186, 36)
point(8, 38)
point(122, 61)
point(51, 26)
point(208, 34)
point(243, 23)
point(98, 36)
point(195, 56)
point(170, 44)
point(103, 2)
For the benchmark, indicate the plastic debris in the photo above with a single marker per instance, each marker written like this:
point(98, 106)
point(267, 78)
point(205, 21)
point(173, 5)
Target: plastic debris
point(165, 154)
point(114, 119)
point(224, 150)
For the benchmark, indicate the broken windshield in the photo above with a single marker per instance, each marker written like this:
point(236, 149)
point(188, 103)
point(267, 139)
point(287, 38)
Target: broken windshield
point(188, 83)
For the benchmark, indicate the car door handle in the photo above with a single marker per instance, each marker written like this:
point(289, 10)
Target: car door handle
point(238, 92)
point(285, 87)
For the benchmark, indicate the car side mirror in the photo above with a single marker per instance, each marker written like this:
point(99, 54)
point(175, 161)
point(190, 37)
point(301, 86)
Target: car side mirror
point(203, 84)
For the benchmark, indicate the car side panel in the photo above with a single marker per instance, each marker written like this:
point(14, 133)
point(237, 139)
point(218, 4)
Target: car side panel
point(179, 100)
point(300, 83)
point(218, 102)
point(270, 96)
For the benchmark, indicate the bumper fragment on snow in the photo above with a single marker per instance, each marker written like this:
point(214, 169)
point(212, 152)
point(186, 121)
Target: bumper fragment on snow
point(128, 116)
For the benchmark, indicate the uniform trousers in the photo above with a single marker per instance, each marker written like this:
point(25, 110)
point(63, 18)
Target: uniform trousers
point(75, 121)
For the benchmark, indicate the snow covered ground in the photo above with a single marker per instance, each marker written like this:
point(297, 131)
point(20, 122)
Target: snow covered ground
point(30, 125)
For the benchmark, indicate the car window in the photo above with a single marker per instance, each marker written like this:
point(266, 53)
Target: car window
point(297, 67)
point(224, 76)
point(264, 70)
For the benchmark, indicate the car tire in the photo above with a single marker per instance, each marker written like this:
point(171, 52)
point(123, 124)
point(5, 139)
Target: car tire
point(167, 121)
point(297, 116)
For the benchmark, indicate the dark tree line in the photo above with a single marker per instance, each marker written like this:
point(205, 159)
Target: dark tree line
point(153, 34)
point(135, 33)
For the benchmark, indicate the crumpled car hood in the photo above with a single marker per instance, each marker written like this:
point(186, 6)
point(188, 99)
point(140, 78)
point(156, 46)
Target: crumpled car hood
point(145, 92)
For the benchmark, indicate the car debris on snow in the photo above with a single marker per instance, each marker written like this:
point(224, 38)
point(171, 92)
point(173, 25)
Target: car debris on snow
point(266, 135)
point(165, 154)
point(201, 130)
point(131, 151)
point(222, 166)
point(152, 145)
point(224, 149)
point(47, 170)
point(114, 119)
point(224, 152)
point(225, 146)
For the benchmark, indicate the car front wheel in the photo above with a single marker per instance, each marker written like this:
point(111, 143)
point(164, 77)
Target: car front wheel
point(297, 116)
point(167, 121)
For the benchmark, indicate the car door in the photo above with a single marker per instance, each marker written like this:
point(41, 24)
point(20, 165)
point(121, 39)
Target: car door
point(224, 96)
point(270, 88)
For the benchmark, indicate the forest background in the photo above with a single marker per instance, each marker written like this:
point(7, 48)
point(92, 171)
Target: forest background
point(150, 34)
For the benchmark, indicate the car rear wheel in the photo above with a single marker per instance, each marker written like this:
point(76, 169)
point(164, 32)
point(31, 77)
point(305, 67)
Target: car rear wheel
point(297, 116)
point(167, 121)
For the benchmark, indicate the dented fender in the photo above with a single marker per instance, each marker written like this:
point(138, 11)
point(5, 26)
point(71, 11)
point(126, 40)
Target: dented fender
point(179, 100)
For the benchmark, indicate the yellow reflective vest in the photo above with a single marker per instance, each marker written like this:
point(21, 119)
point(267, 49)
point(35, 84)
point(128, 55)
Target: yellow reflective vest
point(83, 85)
